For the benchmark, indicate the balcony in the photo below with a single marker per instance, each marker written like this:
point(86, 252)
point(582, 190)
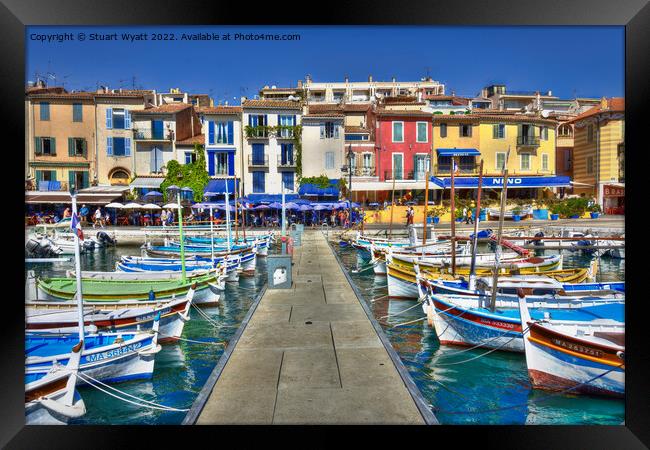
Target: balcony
point(257, 132)
point(152, 135)
point(367, 171)
point(257, 161)
point(284, 132)
point(445, 169)
point(527, 141)
point(399, 175)
point(287, 161)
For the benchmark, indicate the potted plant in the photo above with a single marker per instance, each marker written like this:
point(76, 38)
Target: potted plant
point(436, 212)
point(594, 210)
point(516, 213)
point(541, 212)
point(575, 207)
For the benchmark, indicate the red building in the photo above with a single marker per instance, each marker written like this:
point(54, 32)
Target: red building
point(403, 144)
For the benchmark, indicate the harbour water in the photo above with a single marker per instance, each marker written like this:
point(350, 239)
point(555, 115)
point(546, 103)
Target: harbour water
point(181, 368)
point(476, 386)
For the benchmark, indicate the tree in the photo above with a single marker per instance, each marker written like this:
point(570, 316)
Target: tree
point(193, 175)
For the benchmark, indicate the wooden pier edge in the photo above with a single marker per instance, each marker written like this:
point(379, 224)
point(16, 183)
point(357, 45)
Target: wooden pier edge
point(420, 402)
point(199, 403)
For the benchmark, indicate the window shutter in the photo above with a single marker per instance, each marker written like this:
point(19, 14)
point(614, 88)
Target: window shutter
point(71, 179)
point(152, 160)
point(127, 146)
point(230, 132)
point(231, 164)
point(322, 131)
point(211, 163)
point(85, 148)
point(109, 146)
point(211, 132)
point(109, 118)
point(53, 146)
point(336, 130)
point(37, 146)
point(38, 174)
point(266, 120)
point(70, 146)
point(294, 123)
point(127, 119)
point(495, 131)
point(84, 180)
point(519, 129)
point(469, 130)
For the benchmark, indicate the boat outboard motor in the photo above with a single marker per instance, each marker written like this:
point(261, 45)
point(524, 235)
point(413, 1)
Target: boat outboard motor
point(104, 238)
point(537, 242)
point(88, 244)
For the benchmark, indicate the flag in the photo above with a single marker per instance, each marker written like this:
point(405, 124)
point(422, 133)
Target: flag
point(456, 170)
point(75, 226)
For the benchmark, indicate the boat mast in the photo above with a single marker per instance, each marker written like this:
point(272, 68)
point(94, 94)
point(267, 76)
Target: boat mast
point(472, 268)
point(504, 193)
point(392, 209)
point(227, 216)
point(426, 204)
point(234, 196)
point(453, 218)
point(180, 235)
point(77, 267)
point(211, 235)
point(284, 214)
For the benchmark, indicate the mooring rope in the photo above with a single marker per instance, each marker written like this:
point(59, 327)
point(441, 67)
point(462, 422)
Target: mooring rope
point(418, 303)
point(191, 340)
point(144, 403)
point(412, 321)
point(482, 354)
point(205, 316)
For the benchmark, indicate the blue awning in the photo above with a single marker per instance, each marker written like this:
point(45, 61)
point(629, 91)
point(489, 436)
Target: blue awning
point(218, 187)
point(311, 189)
point(458, 152)
point(497, 182)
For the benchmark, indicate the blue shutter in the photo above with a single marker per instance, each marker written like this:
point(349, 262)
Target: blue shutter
point(211, 132)
point(109, 146)
point(294, 121)
point(127, 119)
point(230, 132)
point(211, 163)
point(109, 118)
point(231, 163)
point(127, 146)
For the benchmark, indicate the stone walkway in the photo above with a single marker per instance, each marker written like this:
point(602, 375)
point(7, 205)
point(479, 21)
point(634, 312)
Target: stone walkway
point(310, 355)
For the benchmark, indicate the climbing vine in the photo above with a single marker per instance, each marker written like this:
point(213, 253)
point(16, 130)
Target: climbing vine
point(193, 175)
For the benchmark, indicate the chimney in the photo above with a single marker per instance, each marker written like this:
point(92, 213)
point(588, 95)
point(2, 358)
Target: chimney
point(243, 99)
point(347, 79)
point(369, 78)
point(549, 93)
point(393, 79)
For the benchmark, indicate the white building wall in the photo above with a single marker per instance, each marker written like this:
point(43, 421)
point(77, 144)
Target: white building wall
point(237, 137)
point(314, 149)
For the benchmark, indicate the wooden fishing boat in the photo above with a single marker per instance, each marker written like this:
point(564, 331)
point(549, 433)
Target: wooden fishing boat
point(469, 320)
point(95, 290)
point(174, 252)
point(378, 255)
point(53, 398)
point(402, 283)
point(583, 357)
point(246, 262)
point(130, 317)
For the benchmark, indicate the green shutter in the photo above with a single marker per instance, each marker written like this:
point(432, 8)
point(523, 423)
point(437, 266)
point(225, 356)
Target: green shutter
point(70, 146)
point(84, 180)
point(52, 175)
point(37, 146)
point(71, 176)
point(495, 131)
point(53, 146)
point(519, 129)
point(85, 149)
point(39, 176)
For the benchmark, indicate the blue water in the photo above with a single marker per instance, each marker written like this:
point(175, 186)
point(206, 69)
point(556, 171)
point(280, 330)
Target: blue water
point(491, 389)
point(182, 368)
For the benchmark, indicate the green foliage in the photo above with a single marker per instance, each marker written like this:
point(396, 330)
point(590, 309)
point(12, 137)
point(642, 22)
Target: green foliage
point(570, 207)
point(193, 175)
point(342, 185)
point(436, 211)
point(595, 207)
point(297, 145)
point(320, 181)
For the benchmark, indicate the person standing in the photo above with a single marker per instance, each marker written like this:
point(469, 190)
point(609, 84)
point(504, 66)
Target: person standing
point(163, 218)
point(97, 217)
point(83, 213)
point(468, 218)
point(67, 213)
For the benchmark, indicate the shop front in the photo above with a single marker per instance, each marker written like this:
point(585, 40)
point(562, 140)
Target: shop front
point(614, 199)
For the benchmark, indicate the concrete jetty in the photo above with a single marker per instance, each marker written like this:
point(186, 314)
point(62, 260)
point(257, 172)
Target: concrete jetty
point(311, 355)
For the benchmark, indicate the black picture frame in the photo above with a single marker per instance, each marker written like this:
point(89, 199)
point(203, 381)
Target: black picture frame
point(633, 14)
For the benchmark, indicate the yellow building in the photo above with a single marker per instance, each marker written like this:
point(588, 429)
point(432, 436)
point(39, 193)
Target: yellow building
point(488, 136)
point(598, 155)
point(61, 136)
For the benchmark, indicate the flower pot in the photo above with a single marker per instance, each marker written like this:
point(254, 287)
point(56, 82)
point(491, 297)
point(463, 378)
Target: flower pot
point(575, 216)
point(540, 214)
point(516, 217)
point(594, 215)
point(555, 216)
point(436, 220)
point(459, 219)
point(429, 220)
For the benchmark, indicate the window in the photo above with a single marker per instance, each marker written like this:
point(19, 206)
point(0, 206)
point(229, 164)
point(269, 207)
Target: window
point(286, 121)
point(398, 131)
point(258, 154)
point(190, 157)
point(590, 165)
point(420, 166)
point(118, 119)
point(500, 160)
point(443, 130)
point(287, 180)
point(76, 147)
point(157, 129)
point(286, 154)
point(45, 146)
point(45, 110)
point(78, 178)
point(465, 130)
point(545, 162)
point(367, 160)
point(258, 181)
point(398, 166)
point(422, 132)
point(356, 137)
point(590, 133)
point(499, 131)
point(118, 146)
point(565, 131)
point(329, 130)
point(543, 131)
point(157, 160)
point(221, 163)
point(77, 112)
point(257, 120)
point(220, 133)
point(46, 175)
point(525, 161)
point(567, 160)
point(329, 160)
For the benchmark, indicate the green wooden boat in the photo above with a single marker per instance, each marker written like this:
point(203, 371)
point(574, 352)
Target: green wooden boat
point(97, 290)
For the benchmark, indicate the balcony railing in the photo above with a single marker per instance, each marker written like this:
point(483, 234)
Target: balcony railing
point(398, 175)
point(531, 141)
point(364, 171)
point(287, 160)
point(151, 135)
point(257, 132)
point(284, 132)
point(257, 161)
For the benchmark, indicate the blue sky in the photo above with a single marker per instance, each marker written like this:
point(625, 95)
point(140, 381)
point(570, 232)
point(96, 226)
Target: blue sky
point(582, 61)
